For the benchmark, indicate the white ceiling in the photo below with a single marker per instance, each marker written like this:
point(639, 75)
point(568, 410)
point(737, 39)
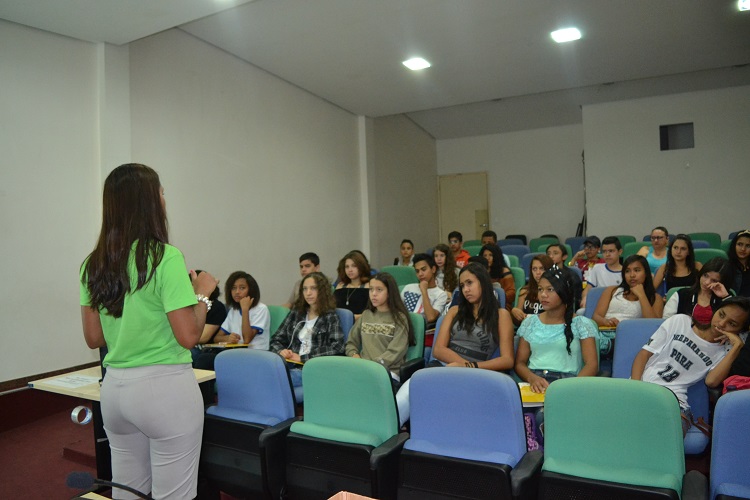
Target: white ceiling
point(495, 68)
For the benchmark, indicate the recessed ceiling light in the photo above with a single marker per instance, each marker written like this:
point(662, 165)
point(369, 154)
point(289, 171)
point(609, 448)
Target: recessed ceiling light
point(743, 4)
point(566, 35)
point(416, 63)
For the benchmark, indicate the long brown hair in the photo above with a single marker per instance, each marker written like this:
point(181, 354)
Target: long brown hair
point(133, 213)
point(325, 302)
point(362, 266)
point(532, 289)
point(450, 276)
point(395, 305)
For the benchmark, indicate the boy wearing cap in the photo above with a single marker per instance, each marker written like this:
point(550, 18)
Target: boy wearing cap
point(588, 257)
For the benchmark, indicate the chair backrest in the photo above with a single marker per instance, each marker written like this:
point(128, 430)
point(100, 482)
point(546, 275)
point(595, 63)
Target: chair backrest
point(521, 237)
point(725, 245)
point(609, 429)
point(277, 313)
point(418, 324)
point(703, 255)
point(253, 386)
point(632, 335)
point(438, 324)
point(473, 249)
point(713, 239)
point(526, 262)
point(519, 277)
point(472, 243)
point(480, 415)
point(627, 238)
point(577, 270)
point(732, 235)
point(348, 400)
point(730, 468)
point(535, 243)
point(575, 243)
point(510, 241)
point(631, 248)
point(346, 320)
point(403, 275)
point(517, 250)
point(592, 299)
point(514, 260)
point(673, 291)
point(701, 244)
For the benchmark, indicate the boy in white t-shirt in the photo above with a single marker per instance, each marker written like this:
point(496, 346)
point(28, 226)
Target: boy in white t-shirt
point(608, 273)
point(681, 352)
point(425, 297)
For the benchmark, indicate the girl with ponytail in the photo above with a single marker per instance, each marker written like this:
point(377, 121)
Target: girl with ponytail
point(553, 344)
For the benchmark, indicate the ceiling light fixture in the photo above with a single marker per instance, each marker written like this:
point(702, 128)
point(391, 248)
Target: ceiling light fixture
point(743, 4)
point(416, 63)
point(566, 35)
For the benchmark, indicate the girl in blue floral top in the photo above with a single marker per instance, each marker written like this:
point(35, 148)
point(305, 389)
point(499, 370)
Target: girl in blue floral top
point(554, 344)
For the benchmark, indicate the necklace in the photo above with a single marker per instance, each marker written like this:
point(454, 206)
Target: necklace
point(349, 294)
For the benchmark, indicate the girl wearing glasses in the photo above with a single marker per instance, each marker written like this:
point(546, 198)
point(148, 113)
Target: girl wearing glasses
point(656, 254)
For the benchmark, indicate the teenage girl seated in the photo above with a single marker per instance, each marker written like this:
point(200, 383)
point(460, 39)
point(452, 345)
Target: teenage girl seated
point(634, 298)
point(471, 332)
point(500, 273)
point(706, 295)
point(447, 273)
point(384, 331)
point(407, 253)
point(311, 328)
point(680, 269)
point(553, 344)
point(248, 320)
point(354, 275)
point(656, 254)
point(528, 295)
point(739, 257)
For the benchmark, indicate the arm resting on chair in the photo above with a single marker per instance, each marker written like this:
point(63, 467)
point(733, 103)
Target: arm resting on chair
point(694, 486)
point(524, 476)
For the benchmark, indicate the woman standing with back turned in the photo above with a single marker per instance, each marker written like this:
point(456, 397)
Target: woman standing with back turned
point(138, 301)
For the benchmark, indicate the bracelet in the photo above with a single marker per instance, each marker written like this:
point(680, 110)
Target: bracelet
point(475, 364)
point(467, 364)
point(202, 298)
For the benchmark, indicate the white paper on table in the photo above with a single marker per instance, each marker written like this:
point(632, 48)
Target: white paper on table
point(73, 381)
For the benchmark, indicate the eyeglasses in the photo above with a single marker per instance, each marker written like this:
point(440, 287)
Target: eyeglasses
point(657, 237)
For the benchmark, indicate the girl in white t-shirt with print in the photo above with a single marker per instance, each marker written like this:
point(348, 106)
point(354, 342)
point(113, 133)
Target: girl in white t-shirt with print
point(248, 320)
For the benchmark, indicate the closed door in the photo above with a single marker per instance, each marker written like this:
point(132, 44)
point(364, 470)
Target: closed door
point(464, 205)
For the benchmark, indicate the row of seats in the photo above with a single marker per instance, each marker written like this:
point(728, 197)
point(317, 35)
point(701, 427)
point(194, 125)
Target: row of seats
point(713, 239)
point(466, 440)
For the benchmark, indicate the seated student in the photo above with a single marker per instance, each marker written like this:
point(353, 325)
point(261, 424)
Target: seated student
point(680, 269)
point(425, 297)
point(461, 256)
point(656, 254)
point(309, 262)
point(500, 273)
point(559, 254)
point(384, 331)
point(682, 352)
point(553, 344)
point(214, 318)
point(248, 320)
point(490, 238)
point(701, 300)
point(587, 258)
point(528, 295)
point(634, 298)
point(311, 328)
point(353, 281)
point(447, 273)
point(739, 257)
point(610, 272)
point(471, 332)
point(407, 253)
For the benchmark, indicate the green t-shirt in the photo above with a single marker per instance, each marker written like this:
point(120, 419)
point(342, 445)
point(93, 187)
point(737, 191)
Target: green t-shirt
point(142, 336)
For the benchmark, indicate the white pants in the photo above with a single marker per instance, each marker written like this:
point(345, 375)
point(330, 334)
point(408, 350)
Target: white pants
point(402, 402)
point(153, 416)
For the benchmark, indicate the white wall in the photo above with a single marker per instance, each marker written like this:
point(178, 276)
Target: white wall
point(402, 188)
point(535, 177)
point(633, 186)
point(256, 171)
point(49, 195)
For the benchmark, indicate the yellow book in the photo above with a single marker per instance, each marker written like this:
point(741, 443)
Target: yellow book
point(528, 397)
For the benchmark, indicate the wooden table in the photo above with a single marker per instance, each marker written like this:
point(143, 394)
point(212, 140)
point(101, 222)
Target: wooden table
point(84, 384)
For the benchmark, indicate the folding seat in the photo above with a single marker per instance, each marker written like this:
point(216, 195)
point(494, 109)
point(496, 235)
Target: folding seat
point(537, 243)
point(517, 250)
point(467, 438)
point(730, 467)
point(277, 313)
point(349, 439)
point(632, 335)
point(243, 434)
point(614, 439)
point(404, 275)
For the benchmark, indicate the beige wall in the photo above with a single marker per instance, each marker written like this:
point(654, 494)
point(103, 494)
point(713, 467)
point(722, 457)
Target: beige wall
point(402, 189)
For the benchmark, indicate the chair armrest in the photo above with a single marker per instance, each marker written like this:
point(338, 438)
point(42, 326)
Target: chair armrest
point(523, 477)
point(694, 486)
point(388, 449)
point(408, 369)
point(272, 449)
